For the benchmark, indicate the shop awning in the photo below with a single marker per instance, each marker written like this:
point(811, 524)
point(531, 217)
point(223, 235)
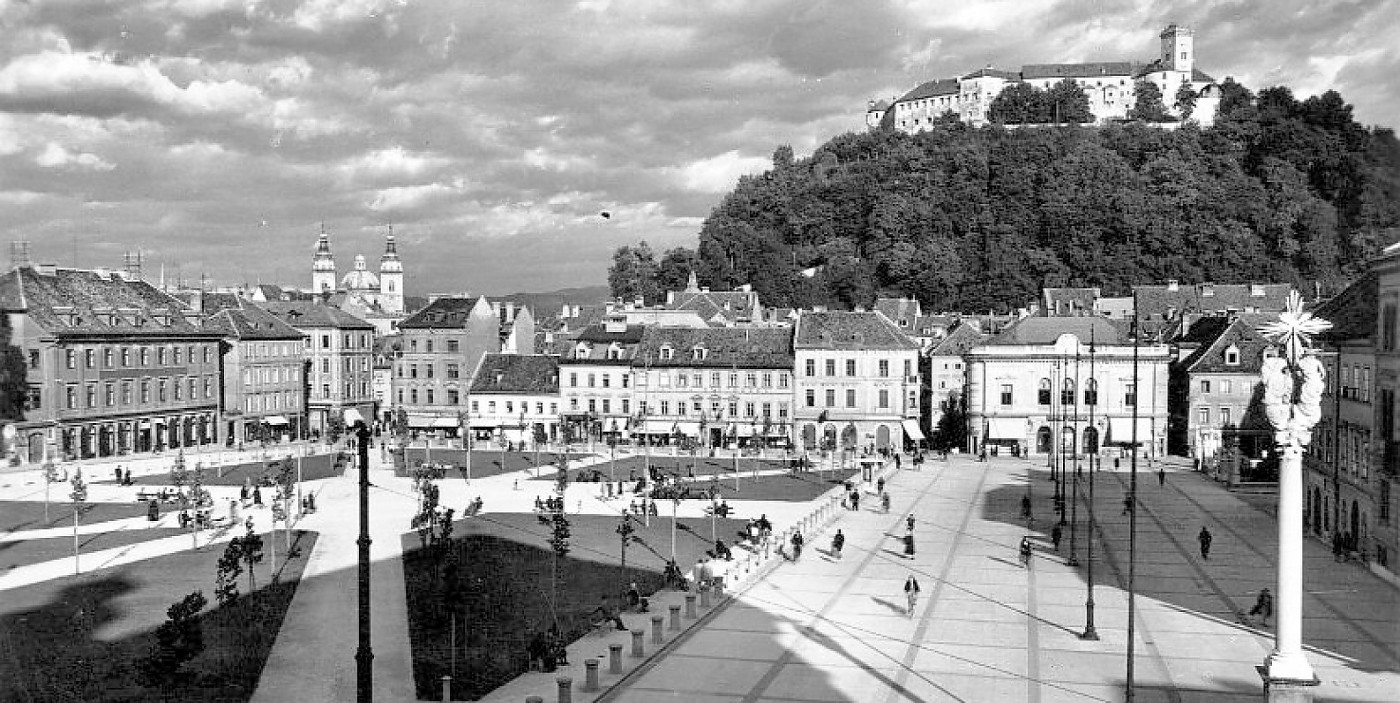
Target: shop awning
point(740, 430)
point(1120, 430)
point(912, 431)
point(778, 431)
point(276, 420)
point(420, 420)
point(1006, 428)
point(353, 416)
point(448, 423)
point(513, 434)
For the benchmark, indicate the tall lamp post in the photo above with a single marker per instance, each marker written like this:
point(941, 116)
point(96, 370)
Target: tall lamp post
point(364, 654)
point(1090, 632)
point(1077, 447)
point(1298, 374)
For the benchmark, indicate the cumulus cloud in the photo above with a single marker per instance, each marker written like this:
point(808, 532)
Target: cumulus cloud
point(719, 173)
point(55, 156)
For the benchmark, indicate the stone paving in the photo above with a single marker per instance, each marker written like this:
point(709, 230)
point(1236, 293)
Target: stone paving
point(986, 628)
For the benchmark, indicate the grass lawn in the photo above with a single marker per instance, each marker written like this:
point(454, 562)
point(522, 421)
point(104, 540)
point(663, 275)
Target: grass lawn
point(29, 515)
point(313, 468)
point(33, 551)
point(505, 581)
point(78, 638)
point(485, 462)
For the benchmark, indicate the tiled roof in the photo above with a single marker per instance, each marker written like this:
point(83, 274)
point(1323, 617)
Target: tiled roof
point(725, 347)
point(302, 315)
point(959, 340)
point(1155, 65)
point(446, 312)
point(849, 330)
point(1045, 330)
point(600, 334)
point(251, 322)
point(730, 305)
point(414, 303)
point(879, 106)
point(1077, 70)
point(1157, 302)
point(924, 326)
point(81, 302)
point(930, 89)
point(1353, 311)
point(901, 311)
point(535, 374)
point(1210, 356)
point(992, 73)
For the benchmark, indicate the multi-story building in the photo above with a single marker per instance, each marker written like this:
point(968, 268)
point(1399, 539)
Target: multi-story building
point(1111, 88)
point(113, 366)
point(515, 398)
point(1385, 445)
point(720, 385)
point(945, 372)
point(857, 381)
point(595, 379)
point(340, 349)
point(1215, 409)
point(1066, 377)
point(264, 370)
point(438, 348)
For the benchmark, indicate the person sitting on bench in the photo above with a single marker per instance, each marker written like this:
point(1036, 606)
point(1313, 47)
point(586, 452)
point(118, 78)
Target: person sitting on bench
point(608, 612)
point(634, 597)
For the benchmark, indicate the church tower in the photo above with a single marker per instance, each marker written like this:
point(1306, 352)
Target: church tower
point(323, 268)
point(1178, 54)
point(391, 277)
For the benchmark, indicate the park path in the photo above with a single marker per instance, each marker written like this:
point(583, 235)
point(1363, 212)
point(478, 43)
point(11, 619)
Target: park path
point(313, 659)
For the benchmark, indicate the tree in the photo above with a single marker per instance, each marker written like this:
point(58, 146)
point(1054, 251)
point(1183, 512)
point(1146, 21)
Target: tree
point(229, 568)
point(1148, 105)
point(559, 533)
point(1235, 100)
point(335, 427)
point(632, 275)
point(178, 640)
point(951, 430)
point(179, 475)
point(1066, 102)
point(674, 271)
point(1018, 103)
point(13, 372)
point(1185, 100)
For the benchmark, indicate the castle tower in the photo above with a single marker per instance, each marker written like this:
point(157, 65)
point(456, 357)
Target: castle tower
point(323, 268)
point(1178, 54)
point(391, 277)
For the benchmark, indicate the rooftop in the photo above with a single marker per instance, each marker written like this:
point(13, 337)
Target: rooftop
point(1045, 330)
point(303, 314)
point(725, 347)
point(535, 374)
point(849, 330)
point(81, 302)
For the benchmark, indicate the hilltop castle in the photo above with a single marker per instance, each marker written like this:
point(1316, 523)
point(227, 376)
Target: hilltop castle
point(1110, 86)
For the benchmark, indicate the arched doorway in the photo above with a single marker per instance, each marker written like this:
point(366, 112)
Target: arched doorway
point(1067, 440)
point(882, 437)
point(849, 437)
point(829, 437)
point(36, 447)
point(809, 437)
point(1091, 440)
point(1355, 525)
point(104, 441)
point(1042, 440)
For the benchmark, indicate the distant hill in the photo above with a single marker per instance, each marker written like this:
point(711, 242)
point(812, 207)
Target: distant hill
point(548, 303)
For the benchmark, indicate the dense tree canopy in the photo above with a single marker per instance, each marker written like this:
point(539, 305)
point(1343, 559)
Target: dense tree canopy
point(974, 219)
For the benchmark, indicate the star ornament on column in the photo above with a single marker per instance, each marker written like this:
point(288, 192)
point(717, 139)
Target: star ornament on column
point(1295, 328)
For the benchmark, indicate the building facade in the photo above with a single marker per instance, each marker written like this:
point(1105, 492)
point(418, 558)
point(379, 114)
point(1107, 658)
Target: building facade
point(856, 382)
point(1217, 415)
point(1385, 444)
point(113, 366)
point(514, 399)
point(340, 349)
point(718, 386)
point(595, 380)
point(264, 372)
point(1066, 385)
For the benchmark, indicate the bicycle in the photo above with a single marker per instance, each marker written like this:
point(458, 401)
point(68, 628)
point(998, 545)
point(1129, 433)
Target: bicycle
point(1026, 552)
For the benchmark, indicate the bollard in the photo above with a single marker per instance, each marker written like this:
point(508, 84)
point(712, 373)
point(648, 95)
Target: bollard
point(705, 598)
point(566, 689)
point(614, 659)
point(446, 689)
point(590, 675)
point(656, 634)
point(637, 650)
point(675, 617)
point(690, 606)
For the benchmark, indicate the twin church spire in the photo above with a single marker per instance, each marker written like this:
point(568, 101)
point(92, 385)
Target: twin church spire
point(385, 290)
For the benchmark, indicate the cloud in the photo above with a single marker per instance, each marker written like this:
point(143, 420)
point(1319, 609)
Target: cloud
point(55, 156)
point(719, 173)
point(89, 83)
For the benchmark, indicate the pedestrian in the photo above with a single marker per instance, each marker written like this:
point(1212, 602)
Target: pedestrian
point(896, 462)
point(1026, 508)
point(1263, 606)
point(1026, 552)
point(1127, 505)
point(232, 511)
point(1205, 539)
point(1162, 475)
point(257, 495)
point(855, 500)
point(119, 474)
point(885, 502)
point(911, 593)
point(880, 485)
point(909, 544)
point(608, 612)
point(1056, 534)
point(909, 523)
point(837, 542)
point(243, 494)
point(797, 545)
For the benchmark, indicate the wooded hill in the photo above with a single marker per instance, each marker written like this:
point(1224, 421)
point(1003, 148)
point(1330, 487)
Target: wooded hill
point(975, 219)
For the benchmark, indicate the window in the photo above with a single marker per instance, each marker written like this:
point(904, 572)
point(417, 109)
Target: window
point(750, 379)
point(767, 380)
point(326, 368)
point(682, 381)
point(206, 355)
point(453, 346)
point(748, 409)
point(1205, 385)
point(208, 388)
point(428, 369)
point(35, 398)
point(831, 367)
point(1232, 356)
point(665, 407)
point(428, 346)
point(850, 367)
point(782, 411)
point(592, 380)
point(1129, 394)
point(573, 404)
point(72, 397)
point(830, 397)
point(326, 342)
point(733, 380)
point(1067, 392)
point(71, 359)
point(326, 392)
point(885, 367)
point(1043, 395)
point(1390, 317)
point(90, 358)
point(430, 395)
point(811, 367)
point(109, 394)
point(454, 397)
point(91, 395)
point(850, 397)
point(1006, 394)
point(1225, 387)
point(476, 406)
point(783, 380)
point(177, 389)
point(412, 393)
point(1203, 416)
point(160, 356)
point(811, 398)
point(573, 379)
point(145, 390)
point(178, 356)
point(884, 398)
point(626, 407)
point(1091, 392)
point(626, 378)
point(160, 390)
point(453, 371)
point(126, 356)
point(1224, 416)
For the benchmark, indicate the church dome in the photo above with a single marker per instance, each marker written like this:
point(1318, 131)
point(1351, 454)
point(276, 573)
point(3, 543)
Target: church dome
point(361, 278)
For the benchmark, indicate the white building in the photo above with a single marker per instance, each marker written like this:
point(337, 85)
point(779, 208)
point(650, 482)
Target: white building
point(595, 379)
point(515, 398)
point(857, 381)
point(1071, 377)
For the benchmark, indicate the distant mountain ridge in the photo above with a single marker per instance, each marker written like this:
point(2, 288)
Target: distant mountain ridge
point(549, 302)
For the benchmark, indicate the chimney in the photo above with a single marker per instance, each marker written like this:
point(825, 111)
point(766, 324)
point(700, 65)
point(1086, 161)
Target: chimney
point(46, 269)
point(19, 254)
point(133, 265)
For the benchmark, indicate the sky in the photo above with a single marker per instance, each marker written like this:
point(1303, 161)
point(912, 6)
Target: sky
point(219, 137)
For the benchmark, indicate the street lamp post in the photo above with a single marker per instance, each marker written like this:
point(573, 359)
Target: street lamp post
point(1078, 446)
point(364, 654)
point(1090, 633)
point(1298, 374)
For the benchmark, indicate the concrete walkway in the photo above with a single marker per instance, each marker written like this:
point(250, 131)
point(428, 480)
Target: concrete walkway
point(987, 628)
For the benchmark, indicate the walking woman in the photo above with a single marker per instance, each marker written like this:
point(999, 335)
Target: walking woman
point(911, 593)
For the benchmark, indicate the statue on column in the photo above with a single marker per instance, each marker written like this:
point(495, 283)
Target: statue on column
point(1293, 383)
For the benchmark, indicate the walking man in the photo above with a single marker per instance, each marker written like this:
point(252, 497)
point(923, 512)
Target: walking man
point(796, 545)
point(1263, 606)
point(1026, 509)
point(837, 542)
point(911, 593)
point(1056, 534)
point(1205, 538)
point(1161, 475)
